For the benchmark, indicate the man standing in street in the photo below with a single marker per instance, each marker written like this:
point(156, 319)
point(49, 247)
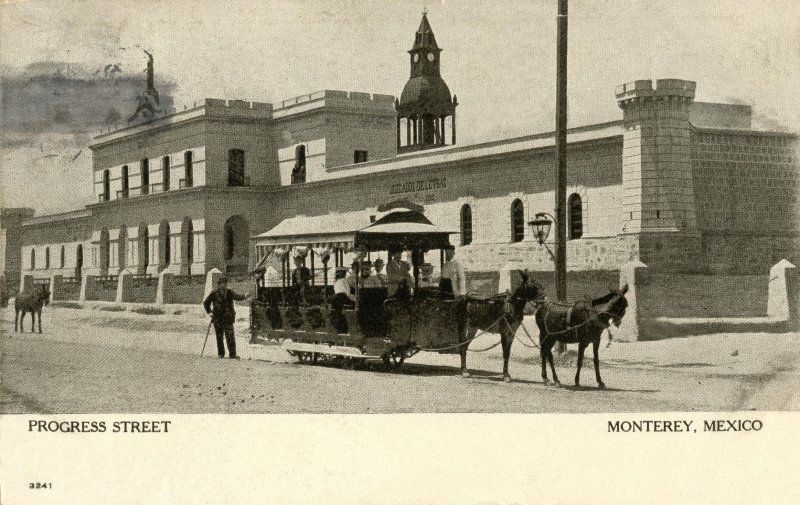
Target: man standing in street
point(219, 304)
point(453, 280)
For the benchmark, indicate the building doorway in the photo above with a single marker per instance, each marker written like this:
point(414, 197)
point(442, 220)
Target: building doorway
point(236, 250)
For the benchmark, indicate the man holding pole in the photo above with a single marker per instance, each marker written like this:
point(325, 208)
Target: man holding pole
point(219, 304)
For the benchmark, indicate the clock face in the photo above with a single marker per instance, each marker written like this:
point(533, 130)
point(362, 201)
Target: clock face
point(431, 57)
point(416, 57)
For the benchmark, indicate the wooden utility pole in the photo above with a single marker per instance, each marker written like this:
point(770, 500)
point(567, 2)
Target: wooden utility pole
point(561, 155)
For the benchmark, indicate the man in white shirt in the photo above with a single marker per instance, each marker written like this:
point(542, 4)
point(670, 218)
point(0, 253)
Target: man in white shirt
point(379, 272)
point(453, 279)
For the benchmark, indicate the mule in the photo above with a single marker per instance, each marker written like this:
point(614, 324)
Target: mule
point(582, 323)
point(31, 301)
point(500, 314)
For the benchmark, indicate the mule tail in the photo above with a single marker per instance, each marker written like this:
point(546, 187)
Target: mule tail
point(610, 337)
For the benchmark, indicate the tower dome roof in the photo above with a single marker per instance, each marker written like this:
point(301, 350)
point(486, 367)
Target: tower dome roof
point(426, 94)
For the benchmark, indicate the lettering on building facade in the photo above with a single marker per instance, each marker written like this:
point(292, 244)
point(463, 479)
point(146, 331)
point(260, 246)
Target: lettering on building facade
point(418, 185)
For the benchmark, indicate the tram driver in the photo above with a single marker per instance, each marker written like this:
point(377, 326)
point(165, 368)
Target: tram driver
point(398, 278)
point(453, 281)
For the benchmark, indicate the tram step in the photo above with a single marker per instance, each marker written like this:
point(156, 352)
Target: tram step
point(334, 350)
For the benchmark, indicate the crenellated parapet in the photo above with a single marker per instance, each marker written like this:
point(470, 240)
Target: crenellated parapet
point(348, 101)
point(673, 91)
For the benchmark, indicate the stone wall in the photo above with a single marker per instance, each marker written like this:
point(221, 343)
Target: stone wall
point(706, 296)
point(747, 199)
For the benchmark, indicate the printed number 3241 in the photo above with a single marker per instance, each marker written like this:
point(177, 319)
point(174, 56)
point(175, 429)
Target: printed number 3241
point(40, 485)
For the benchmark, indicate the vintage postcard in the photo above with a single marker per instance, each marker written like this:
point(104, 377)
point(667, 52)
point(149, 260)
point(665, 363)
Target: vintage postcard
point(400, 251)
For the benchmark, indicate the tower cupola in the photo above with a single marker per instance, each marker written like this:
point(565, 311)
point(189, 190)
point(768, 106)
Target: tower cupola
point(425, 102)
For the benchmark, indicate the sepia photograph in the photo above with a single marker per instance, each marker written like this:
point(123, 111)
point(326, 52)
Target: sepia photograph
point(408, 230)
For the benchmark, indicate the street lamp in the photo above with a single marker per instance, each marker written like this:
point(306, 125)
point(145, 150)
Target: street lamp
point(540, 226)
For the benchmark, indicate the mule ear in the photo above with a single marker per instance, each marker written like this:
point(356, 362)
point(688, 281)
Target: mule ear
point(624, 289)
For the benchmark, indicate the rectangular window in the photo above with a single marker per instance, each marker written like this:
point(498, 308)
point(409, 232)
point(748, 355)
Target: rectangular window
point(236, 175)
point(359, 156)
point(144, 167)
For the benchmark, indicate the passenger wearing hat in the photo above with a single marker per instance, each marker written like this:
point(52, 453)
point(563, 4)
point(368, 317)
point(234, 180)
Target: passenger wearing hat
point(341, 284)
point(453, 280)
point(219, 304)
point(369, 281)
point(341, 299)
point(399, 280)
point(379, 271)
point(301, 280)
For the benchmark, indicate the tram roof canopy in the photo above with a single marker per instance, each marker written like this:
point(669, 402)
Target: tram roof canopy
point(408, 229)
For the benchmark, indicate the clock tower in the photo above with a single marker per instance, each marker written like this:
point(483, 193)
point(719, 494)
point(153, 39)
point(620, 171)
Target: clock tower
point(425, 102)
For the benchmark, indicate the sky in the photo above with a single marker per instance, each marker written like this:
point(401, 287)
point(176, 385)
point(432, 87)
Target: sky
point(498, 58)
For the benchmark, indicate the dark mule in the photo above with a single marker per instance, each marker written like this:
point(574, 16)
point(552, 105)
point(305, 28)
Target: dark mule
point(500, 314)
point(582, 322)
point(31, 301)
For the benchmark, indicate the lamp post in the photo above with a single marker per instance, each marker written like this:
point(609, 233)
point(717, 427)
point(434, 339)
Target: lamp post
point(540, 226)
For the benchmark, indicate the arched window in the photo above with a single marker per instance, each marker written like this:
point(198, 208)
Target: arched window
point(165, 173)
point(46, 257)
point(236, 175)
point(517, 221)
point(79, 261)
point(124, 192)
point(575, 216)
point(188, 171)
point(63, 256)
point(236, 251)
point(466, 225)
point(164, 245)
point(106, 186)
point(144, 167)
point(299, 170)
point(122, 247)
point(33, 259)
point(105, 250)
point(230, 242)
point(144, 248)
point(187, 232)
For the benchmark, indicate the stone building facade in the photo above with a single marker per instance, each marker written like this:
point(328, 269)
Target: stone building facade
point(679, 185)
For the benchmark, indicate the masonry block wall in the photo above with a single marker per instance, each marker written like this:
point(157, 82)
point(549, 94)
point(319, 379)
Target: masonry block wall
point(330, 125)
point(361, 122)
point(171, 141)
point(747, 198)
point(658, 189)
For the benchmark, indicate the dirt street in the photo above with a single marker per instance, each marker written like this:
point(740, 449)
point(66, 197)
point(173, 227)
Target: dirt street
point(101, 361)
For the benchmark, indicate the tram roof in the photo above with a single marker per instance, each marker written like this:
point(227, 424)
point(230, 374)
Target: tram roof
point(343, 230)
point(328, 228)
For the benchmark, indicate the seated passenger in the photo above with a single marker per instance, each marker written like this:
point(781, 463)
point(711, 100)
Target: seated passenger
point(368, 279)
point(426, 288)
point(301, 280)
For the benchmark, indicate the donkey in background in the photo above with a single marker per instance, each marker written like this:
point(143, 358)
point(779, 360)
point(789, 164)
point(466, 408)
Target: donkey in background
point(31, 301)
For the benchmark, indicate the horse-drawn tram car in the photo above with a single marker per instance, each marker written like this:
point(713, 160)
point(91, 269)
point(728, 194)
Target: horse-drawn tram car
point(387, 318)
